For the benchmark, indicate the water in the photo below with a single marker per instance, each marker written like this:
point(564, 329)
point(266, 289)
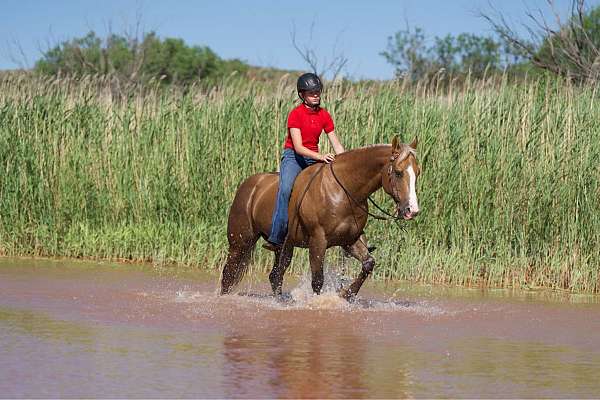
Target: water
point(82, 329)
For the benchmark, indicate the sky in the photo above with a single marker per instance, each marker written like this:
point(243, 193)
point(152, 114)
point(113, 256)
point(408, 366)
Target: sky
point(257, 31)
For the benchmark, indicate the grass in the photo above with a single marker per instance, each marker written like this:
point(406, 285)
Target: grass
point(509, 190)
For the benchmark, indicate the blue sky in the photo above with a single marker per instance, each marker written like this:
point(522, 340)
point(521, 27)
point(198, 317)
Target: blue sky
point(256, 31)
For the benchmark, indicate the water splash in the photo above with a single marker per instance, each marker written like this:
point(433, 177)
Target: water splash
point(302, 297)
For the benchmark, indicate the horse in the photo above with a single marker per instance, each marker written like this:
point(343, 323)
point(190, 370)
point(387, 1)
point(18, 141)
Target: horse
point(328, 207)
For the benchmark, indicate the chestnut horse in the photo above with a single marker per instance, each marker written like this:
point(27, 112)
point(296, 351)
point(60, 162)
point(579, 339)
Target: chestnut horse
point(328, 207)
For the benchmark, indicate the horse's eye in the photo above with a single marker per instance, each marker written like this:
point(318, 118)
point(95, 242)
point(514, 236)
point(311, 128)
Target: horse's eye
point(398, 174)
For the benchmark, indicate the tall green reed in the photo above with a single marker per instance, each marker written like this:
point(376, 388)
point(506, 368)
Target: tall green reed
point(509, 186)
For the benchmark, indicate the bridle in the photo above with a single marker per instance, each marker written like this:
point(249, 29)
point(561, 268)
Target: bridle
point(391, 174)
point(388, 216)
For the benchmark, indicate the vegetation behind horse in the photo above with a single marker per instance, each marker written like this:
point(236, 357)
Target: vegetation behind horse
point(509, 183)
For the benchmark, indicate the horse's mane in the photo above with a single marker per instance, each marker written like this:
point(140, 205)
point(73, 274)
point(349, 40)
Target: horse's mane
point(405, 150)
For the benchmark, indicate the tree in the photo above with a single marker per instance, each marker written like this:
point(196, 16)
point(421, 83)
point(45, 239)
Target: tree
point(463, 54)
point(407, 52)
point(467, 53)
point(572, 49)
point(169, 60)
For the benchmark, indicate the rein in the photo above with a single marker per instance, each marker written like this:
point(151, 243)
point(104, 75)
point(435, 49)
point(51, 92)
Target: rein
point(350, 197)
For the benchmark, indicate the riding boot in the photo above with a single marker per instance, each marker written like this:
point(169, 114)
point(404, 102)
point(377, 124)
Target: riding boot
point(271, 246)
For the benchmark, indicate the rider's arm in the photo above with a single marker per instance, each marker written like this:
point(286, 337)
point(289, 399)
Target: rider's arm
point(303, 151)
point(335, 143)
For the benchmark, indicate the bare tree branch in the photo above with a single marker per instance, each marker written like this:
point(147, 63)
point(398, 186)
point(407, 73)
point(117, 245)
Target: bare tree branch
point(306, 54)
point(567, 50)
point(332, 66)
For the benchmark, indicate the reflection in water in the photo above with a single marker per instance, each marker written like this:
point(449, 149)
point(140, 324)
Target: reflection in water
point(41, 326)
point(310, 360)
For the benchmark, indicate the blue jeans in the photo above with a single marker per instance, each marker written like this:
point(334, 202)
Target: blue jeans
point(291, 165)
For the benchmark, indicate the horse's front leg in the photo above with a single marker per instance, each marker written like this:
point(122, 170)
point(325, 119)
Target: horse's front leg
point(316, 253)
point(360, 251)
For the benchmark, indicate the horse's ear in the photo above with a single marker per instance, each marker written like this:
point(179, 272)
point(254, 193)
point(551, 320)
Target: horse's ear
point(414, 143)
point(395, 144)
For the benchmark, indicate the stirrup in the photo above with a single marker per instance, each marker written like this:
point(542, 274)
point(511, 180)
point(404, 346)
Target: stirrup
point(271, 246)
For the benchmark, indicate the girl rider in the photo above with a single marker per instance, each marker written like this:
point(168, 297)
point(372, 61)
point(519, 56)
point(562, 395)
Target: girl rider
point(305, 124)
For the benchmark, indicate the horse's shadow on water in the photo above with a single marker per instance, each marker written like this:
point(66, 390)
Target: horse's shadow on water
point(287, 300)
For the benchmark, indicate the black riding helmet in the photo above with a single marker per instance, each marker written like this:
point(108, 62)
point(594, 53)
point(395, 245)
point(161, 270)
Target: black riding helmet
point(309, 82)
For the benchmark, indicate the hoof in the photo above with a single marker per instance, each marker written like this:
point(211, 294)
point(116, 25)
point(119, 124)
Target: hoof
point(277, 294)
point(346, 295)
point(284, 298)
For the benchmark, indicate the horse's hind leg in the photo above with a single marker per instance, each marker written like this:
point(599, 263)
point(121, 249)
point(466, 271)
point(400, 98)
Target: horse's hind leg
point(283, 257)
point(360, 251)
point(236, 264)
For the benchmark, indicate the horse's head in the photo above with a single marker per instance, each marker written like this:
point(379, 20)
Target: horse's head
point(399, 178)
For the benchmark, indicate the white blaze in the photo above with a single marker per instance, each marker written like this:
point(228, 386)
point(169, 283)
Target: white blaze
point(413, 203)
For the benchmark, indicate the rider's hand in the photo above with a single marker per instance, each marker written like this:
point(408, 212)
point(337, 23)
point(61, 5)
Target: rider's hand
point(328, 158)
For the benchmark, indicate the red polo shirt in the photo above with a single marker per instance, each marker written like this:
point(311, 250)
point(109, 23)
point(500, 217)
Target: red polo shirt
point(311, 123)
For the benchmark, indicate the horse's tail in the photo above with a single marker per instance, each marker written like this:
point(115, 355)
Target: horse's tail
point(241, 234)
point(235, 268)
point(242, 240)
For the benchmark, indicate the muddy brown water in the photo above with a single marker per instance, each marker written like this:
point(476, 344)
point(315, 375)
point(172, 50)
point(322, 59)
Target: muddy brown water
point(83, 329)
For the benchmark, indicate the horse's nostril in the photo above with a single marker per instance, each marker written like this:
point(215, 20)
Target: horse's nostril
point(411, 212)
